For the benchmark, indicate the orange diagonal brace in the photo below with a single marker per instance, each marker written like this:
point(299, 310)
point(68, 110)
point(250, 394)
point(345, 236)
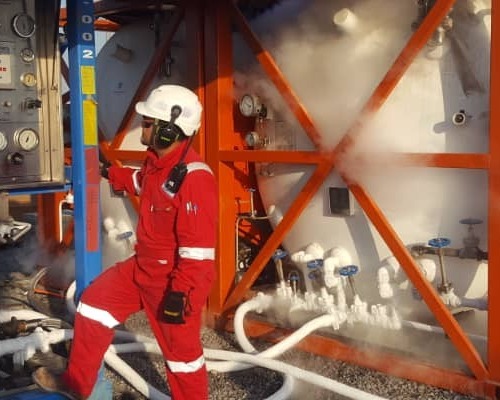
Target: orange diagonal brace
point(149, 75)
point(443, 315)
point(293, 213)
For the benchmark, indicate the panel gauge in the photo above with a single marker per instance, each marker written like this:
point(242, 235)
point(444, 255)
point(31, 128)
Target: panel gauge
point(27, 55)
point(249, 105)
point(3, 141)
point(27, 139)
point(28, 79)
point(23, 25)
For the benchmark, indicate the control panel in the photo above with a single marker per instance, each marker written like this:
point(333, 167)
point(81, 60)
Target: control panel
point(31, 138)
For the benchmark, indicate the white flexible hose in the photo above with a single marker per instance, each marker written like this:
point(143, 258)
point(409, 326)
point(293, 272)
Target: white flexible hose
point(258, 303)
point(278, 349)
point(256, 359)
point(130, 375)
point(296, 372)
point(42, 339)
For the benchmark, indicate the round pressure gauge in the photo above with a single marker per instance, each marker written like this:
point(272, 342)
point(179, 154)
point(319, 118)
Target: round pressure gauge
point(28, 79)
point(23, 25)
point(27, 139)
point(27, 55)
point(249, 105)
point(3, 141)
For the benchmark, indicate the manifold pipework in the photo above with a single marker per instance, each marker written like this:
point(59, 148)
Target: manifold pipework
point(331, 292)
point(240, 257)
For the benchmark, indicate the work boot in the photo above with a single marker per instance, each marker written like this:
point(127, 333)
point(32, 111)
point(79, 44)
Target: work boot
point(51, 382)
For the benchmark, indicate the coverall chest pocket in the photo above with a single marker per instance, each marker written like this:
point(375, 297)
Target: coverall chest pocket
point(163, 213)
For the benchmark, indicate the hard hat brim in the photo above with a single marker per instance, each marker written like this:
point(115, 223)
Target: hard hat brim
point(142, 109)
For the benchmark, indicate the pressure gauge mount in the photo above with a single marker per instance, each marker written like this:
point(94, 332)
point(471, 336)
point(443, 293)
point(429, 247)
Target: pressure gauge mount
point(250, 106)
point(23, 25)
point(27, 139)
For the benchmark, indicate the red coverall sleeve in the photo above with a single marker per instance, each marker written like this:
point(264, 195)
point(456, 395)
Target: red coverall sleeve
point(196, 231)
point(125, 178)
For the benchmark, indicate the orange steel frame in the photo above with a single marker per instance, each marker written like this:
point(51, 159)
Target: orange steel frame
point(211, 71)
point(483, 381)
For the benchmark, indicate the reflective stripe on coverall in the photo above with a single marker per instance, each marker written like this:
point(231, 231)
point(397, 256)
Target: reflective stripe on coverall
point(174, 251)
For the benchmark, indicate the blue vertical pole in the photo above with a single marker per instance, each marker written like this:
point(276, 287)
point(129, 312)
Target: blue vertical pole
point(84, 143)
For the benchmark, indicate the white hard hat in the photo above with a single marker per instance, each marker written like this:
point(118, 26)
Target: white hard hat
point(161, 100)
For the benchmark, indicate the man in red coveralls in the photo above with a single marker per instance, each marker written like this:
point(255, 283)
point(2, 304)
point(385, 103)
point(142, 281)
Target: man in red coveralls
point(172, 271)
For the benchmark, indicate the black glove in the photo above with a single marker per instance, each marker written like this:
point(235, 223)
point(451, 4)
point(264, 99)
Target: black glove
point(103, 169)
point(173, 308)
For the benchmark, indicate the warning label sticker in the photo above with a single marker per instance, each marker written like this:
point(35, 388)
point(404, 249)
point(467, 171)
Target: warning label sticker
point(5, 67)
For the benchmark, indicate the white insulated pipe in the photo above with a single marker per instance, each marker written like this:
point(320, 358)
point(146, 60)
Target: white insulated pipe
point(257, 359)
point(38, 340)
point(152, 347)
point(437, 329)
point(6, 315)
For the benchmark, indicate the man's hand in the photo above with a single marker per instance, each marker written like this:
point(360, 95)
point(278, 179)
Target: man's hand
point(174, 306)
point(103, 169)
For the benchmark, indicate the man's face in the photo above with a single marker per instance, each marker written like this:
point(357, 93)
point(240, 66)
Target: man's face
point(147, 130)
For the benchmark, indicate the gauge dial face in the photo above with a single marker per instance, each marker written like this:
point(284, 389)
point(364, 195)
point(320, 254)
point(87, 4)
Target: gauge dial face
point(27, 55)
point(23, 25)
point(27, 139)
point(28, 79)
point(3, 141)
point(248, 105)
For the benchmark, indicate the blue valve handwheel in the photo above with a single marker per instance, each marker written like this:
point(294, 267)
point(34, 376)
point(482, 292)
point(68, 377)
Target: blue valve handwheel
point(439, 242)
point(315, 263)
point(279, 254)
point(349, 270)
point(124, 235)
point(313, 275)
point(294, 277)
